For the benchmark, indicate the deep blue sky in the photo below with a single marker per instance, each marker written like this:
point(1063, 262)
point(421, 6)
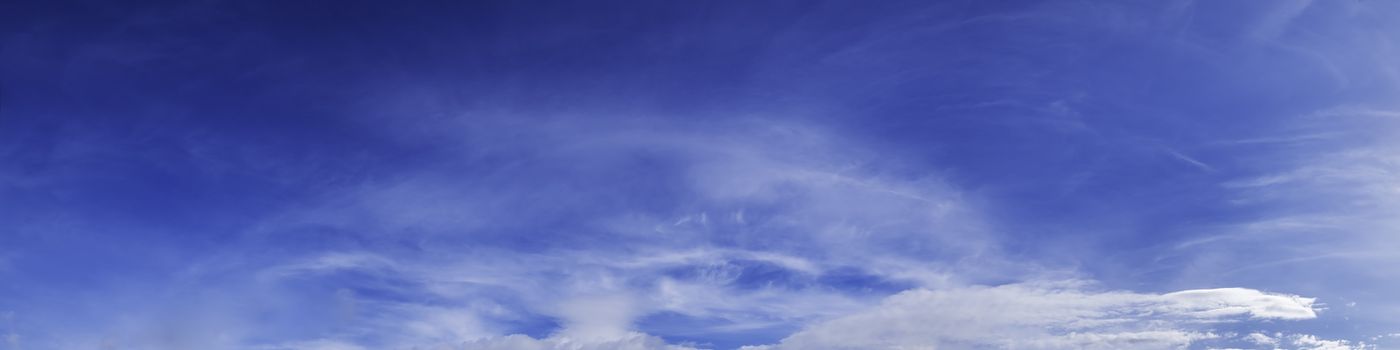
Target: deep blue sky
point(654, 174)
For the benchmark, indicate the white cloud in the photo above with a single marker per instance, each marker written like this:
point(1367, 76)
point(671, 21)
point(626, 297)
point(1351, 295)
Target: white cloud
point(1311, 342)
point(809, 204)
point(597, 317)
point(1053, 316)
point(436, 325)
point(1261, 339)
point(629, 341)
point(1275, 21)
point(330, 262)
point(1188, 160)
point(1225, 302)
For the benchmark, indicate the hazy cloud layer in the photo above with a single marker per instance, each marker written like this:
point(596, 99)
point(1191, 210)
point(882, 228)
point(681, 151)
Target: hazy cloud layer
point(662, 175)
point(1045, 317)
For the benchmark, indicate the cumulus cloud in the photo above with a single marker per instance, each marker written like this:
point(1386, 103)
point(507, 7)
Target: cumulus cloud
point(1311, 342)
point(1054, 316)
point(1261, 339)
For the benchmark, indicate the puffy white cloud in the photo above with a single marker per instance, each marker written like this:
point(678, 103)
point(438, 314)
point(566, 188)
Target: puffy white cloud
point(1038, 316)
point(1261, 339)
point(1222, 302)
point(1311, 342)
point(597, 317)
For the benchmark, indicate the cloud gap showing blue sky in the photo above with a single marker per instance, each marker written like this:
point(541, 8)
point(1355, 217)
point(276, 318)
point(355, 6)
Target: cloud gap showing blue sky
point(769, 175)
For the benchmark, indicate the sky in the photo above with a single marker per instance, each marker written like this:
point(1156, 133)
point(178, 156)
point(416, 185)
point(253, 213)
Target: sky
point(750, 175)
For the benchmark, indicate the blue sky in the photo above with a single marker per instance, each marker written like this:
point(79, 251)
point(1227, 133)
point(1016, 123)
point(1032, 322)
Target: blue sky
point(767, 175)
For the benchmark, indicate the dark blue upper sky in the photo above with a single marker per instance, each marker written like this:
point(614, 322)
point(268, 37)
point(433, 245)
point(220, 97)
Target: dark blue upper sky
point(647, 175)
